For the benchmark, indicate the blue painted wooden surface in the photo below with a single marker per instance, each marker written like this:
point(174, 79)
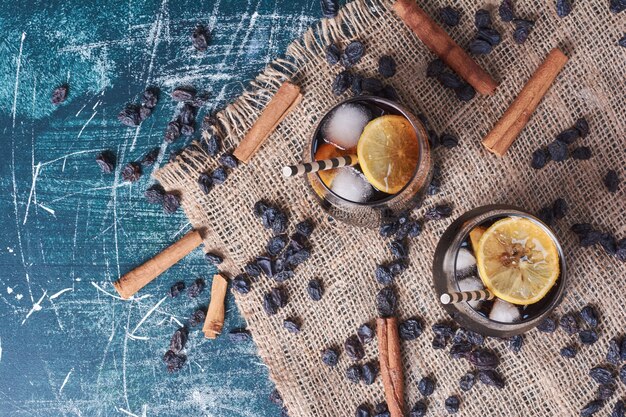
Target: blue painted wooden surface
point(67, 346)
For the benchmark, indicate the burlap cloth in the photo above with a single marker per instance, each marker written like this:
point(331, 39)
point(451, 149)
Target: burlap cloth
point(593, 84)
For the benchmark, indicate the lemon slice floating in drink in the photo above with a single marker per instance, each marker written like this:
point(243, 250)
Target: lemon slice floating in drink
point(517, 260)
point(388, 152)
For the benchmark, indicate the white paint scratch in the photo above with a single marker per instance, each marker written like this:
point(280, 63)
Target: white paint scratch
point(67, 377)
point(58, 294)
point(36, 307)
point(172, 318)
point(132, 336)
point(81, 109)
point(69, 154)
point(132, 145)
point(48, 209)
point(32, 189)
point(17, 76)
point(128, 413)
point(86, 123)
point(154, 307)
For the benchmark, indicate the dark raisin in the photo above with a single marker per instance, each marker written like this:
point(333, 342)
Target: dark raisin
point(489, 35)
point(482, 19)
point(601, 374)
point(569, 324)
point(606, 391)
point(619, 409)
point(439, 342)
point(356, 86)
point(187, 129)
point(475, 339)
point(581, 228)
point(548, 325)
point(176, 289)
point(397, 267)
point(239, 335)
point(399, 249)
point(546, 215)
point(608, 243)
point(352, 54)
point(452, 404)
point(520, 34)
point(276, 398)
point(426, 386)
point(581, 153)
point(435, 67)
point(212, 145)
point(187, 114)
point(205, 182)
point(362, 410)
point(129, 116)
point(559, 208)
point(438, 212)
point(131, 172)
point(333, 54)
point(558, 150)
point(330, 356)
point(491, 377)
point(298, 257)
point(591, 238)
point(381, 410)
point(480, 47)
point(622, 41)
point(449, 16)
point(241, 284)
point(150, 97)
point(219, 175)
point(483, 359)
point(354, 348)
point(415, 230)
point(568, 136)
point(591, 408)
point(467, 381)
point(179, 339)
point(329, 8)
point(540, 158)
point(106, 161)
point(201, 98)
point(386, 302)
point(144, 113)
point(563, 7)
point(354, 373)
point(516, 342)
point(59, 94)
point(622, 349)
point(582, 126)
point(196, 288)
point(197, 317)
point(172, 132)
point(292, 325)
point(620, 252)
point(388, 229)
point(315, 289)
point(213, 258)
point(449, 80)
point(366, 333)
point(617, 6)
point(183, 93)
point(373, 85)
point(150, 157)
point(448, 141)
point(588, 337)
point(589, 315)
point(390, 93)
point(369, 372)
point(283, 276)
point(460, 350)
point(171, 202)
point(569, 352)
point(383, 275)
point(269, 304)
point(611, 181)
point(174, 361)
point(200, 38)
point(410, 329)
point(622, 373)
point(506, 11)
point(266, 265)
point(276, 244)
point(465, 92)
point(229, 161)
point(386, 66)
point(419, 409)
point(443, 329)
point(284, 412)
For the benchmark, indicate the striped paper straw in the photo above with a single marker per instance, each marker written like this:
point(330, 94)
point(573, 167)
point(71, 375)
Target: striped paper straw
point(322, 165)
point(459, 297)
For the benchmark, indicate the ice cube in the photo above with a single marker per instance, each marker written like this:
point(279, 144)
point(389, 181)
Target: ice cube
point(465, 263)
point(351, 185)
point(471, 284)
point(504, 312)
point(345, 125)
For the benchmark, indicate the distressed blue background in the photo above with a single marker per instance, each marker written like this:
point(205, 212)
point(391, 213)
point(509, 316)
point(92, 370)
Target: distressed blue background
point(67, 346)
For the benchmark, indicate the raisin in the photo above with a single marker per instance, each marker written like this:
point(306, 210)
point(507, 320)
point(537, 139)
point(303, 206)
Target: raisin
point(174, 361)
point(591, 408)
point(333, 54)
point(59, 94)
point(622, 374)
point(581, 153)
point(563, 7)
point(449, 16)
point(435, 67)
point(601, 374)
point(452, 404)
point(582, 126)
point(619, 409)
point(239, 335)
point(305, 227)
point(197, 317)
point(212, 145)
point(568, 136)
point(179, 340)
point(419, 409)
point(410, 329)
point(491, 377)
point(131, 172)
point(219, 175)
point(559, 208)
point(330, 357)
point(129, 116)
point(241, 284)
point(399, 249)
point(187, 130)
point(558, 151)
point(515, 343)
point(622, 41)
point(362, 410)
point(205, 182)
point(284, 412)
point(269, 304)
point(622, 349)
point(366, 333)
point(439, 342)
point(369, 372)
point(329, 8)
point(482, 19)
point(315, 289)
point(386, 66)
point(266, 265)
point(292, 325)
point(443, 329)
point(569, 352)
point(229, 161)
point(150, 157)
point(144, 113)
point(460, 350)
point(298, 257)
point(608, 243)
point(448, 141)
point(200, 38)
point(187, 114)
point(611, 181)
point(467, 381)
point(483, 359)
point(606, 391)
point(540, 158)
point(426, 386)
point(356, 86)
point(176, 289)
point(581, 228)
point(490, 36)
point(475, 339)
point(388, 229)
point(480, 47)
point(620, 253)
point(465, 92)
point(506, 11)
point(354, 348)
point(390, 93)
point(276, 244)
point(591, 238)
point(172, 132)
point(196, 288)
point(150, 97)
point(617, 6)
point(386, 302)
point(352, 54)
point(522, 30)
point(588, 337)
point(276, 398)
point(213, 258)
point(383, 275)
point(548, 325)
point(279, 294)
point(569, 324)
point(106, 161)
point(438, 212)
point(283, 276)
point(449, 80)
point(415, 230)
point(382, 410)
point(589, 315)
point(354, 373)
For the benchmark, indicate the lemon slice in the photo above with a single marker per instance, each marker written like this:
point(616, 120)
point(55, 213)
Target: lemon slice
point(388, 152)
point(517, 260)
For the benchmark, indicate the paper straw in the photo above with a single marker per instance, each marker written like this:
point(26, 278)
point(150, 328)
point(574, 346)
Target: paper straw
point(322, 165)
point(459, 297)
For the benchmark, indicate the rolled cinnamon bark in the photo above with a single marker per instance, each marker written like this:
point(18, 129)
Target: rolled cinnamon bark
point(390, 359)
point(216, 311)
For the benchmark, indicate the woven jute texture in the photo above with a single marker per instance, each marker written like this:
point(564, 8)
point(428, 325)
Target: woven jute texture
point(593, 84)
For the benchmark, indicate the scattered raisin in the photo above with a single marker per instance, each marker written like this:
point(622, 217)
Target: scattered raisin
point(219, 175)
point(354, 374)
point(176, 289)
point(569, 352)
point(622, 374)
point(449, 16)
point(205, 182)
point(352, 54)
point(213, 258)
point(354, 348)
point(229, 161)
point(439, 342)
point(172, 132)
point(276, 398)
point(619, 409)
point(465, 92)
point(276, 244)
point(386, 302)
point(452, 404)
point(540, 158)
point(179, 339)
point(448, 140)
point(315, 289)
point(563, 7)
point(490, 36)
point(435, 67)
point(196, 288)
point(581, 153)
point(569, 324)
point(369, 372)
point(419, 409)
point(329, 8)
point(200, 38)
point(292, 325)
point(460, 349)
point(174, 361)
point(588, 337)
point(591, 408)
point(491, 377)
point(480, 47)
point(383, 275)
point(589, 315)
point(333, 54)
point(515, 343)
point(601, 374)
point(197, 317)
point(106, 161)
point(59, 94)
point(150, 97)
point(129, 116)
point(522, 30)
point(373, 85)
point(131, 172)
point(386, 66)
point(362, 410)
point(482, 19)
point(449, 80)
point(212, 145)
point(410, 329)
point(426, 386)
point(606, 391)
point(330, 357)
point(241, 284)
point(467, 381)
point(611, 181)
point(617, 6)
point(366, 333)
point(506, 11)
point(548, 325)
point(171, 202)
point(568, 136)
point(438, 212)
point(483, 359)
point(558, 150)
point(239, 335)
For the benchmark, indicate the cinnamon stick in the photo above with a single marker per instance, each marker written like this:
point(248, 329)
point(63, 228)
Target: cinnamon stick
point(438, 41)
point(390, 360)
point(133, 281)
point(215, 314)
point(519, 112)
point(284, 101)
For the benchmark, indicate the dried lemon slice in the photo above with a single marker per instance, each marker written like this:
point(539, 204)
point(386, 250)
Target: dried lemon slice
point(388, 152)
point(517, 260)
